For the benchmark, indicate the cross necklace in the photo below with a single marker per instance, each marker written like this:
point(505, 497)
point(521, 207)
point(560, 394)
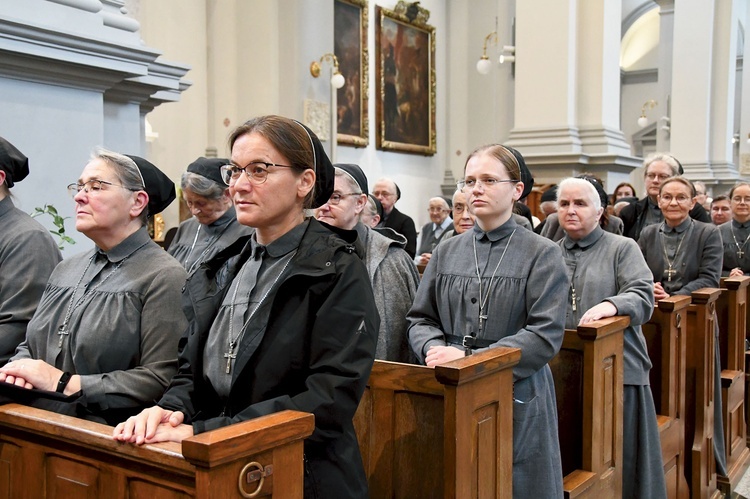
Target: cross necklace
point(740, 253)
point(671, 271)
point(205, 251)
point(63, 331)
point(483, 301)
point(233, 340)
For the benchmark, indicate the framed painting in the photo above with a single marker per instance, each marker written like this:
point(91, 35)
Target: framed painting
point(350, 46)
point(405, 79)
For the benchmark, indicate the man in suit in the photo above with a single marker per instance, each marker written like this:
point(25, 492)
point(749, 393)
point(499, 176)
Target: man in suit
point(387, 192)
point(433, 232)
point(657, 168)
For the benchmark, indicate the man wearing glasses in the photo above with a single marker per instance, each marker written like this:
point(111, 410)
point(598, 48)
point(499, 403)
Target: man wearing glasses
point(433, 232)
point(388, 193)
point(658, 167)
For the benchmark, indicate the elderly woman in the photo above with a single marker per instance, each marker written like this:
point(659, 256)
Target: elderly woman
point(109, 320)
point(610, 277)
point(736, 233)
point(214, 225)
point(28, 255)
point(282, 319)
point(498, 285)
point(685, 255)
point(463, 220)
point(393, 276)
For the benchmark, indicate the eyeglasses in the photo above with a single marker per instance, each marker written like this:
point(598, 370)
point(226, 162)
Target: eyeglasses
point(257, 172)
point(654, 176)
point(739, 199)
point(458, 208)
point(92, 186)
point(437, 210)
point(337, 197)
point(384, 194)
point(667, 199)
point(488, 182)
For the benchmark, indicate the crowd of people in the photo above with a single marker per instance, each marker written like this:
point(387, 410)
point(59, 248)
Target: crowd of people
point(257, 306)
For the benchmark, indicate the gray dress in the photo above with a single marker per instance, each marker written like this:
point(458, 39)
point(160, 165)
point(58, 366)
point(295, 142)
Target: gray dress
point(524, 310)
point(28, 254)
point(194, 242)
point(736, 239)
point(123, 327)
point(608, 267)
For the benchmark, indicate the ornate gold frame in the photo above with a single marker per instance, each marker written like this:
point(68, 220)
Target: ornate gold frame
point(353, 129)
point(403, 70)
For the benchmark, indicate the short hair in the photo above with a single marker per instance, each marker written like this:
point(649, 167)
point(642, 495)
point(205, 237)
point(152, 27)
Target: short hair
point(286, 136)
point(681, 180)
point(503, 155)
point(395, 191)
point(670, 160)
point(698, 183)
point(370, 208)
point(591, 193)
point(127, 174)
point(353, 185)
point(202, 186)
point(623, 184)
point(441, 198)
point(721, 197)
point(738, 184)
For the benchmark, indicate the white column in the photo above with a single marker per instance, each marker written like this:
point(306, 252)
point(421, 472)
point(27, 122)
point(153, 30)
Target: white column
point(664, 84)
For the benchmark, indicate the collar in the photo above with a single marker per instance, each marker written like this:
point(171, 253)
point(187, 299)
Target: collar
point(651, 204)
point(586, 241)
point(496, 234)
point(128, 246)
point(5, 205)
point(735, 223)
point(286, 243)
point(684, 225)
point(446, 223)
point(227, 217)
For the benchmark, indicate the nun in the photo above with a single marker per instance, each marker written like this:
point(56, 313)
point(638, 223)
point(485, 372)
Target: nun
point(213, 225)
point(610, 277)
point(736, 233)
point(106, 330)
point(28, 254)
point(282, 319)
point(498, 285)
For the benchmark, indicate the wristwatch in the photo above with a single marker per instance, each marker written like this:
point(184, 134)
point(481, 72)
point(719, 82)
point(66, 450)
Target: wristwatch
point(64, 379)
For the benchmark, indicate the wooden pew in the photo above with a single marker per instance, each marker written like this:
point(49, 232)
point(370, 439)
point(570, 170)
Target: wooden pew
point(700, 464)
point(588, 374)
point(43, 454)
point(443, 432)
point(731, 310)
point(666, 338)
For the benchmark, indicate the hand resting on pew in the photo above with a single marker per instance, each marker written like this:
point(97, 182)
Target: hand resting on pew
point(659, 293)
point(600, 311)
point(35, 373)
point(153, 425)
point(439, 354)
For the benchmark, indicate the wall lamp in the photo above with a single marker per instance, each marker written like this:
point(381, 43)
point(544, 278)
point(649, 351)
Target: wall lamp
point(643, 121)
point(337, 80)
point(508, 55)
point(483, 64)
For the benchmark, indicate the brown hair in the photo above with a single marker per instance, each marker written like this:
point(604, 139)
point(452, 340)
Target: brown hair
point(738, 184)
point(503, 155)
point(286, 136)
point(622, 184)
point(681, 180)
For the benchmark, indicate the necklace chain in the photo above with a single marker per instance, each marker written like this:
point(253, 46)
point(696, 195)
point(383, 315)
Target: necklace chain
point(483, 301)
point(210, 242)
point(671, 272)
point(740, 253)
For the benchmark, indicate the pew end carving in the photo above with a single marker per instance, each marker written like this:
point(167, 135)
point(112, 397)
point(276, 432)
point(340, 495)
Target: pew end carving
point(44, 454)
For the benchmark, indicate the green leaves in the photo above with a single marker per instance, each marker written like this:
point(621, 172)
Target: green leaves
point(57, 221)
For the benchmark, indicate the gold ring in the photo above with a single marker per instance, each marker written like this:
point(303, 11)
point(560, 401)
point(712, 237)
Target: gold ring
point(242, 474)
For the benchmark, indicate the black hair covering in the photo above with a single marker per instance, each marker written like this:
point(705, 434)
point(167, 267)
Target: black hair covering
point(526, 178)
point(599, 189)
point(13, 163)
point(398, 191)
point(324, 173)
point(209, 168)
point(159, 187)
point(680, 169)
point(356, 173)
point(549, 195)
point(378, 205)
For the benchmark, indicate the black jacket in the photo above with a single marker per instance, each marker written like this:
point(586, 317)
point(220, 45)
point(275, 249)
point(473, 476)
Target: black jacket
point(404, 225)
point(314, 355)
point(632, 216)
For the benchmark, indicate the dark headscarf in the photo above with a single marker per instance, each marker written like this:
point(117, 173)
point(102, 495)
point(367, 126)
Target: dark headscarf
point(13, 163)
point(324, 173)
point(160, 189)
point(526, 178)
point(209, 168)
point(356, 173)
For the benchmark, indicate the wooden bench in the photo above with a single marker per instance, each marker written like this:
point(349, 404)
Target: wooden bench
point(700, 464)
point(666, 338)
point(442, 432)
point(43, 454)
point(731, 310)
point(588, 374)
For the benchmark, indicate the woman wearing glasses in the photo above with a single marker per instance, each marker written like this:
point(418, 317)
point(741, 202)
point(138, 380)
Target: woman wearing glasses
point(736, 233)
point(283, 319)
point(685, 255)
point(213, 225)
point(107, 326)
point(499, 285)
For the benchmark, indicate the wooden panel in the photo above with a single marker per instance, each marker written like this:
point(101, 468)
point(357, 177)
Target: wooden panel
point(609, 415)
point(485, 481)
point(141, 488)
point(567, 369)
point(70, 479)
point(9, 458)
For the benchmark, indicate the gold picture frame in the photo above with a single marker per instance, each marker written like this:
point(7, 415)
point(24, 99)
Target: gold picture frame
point(405, 80)
point(350, 47)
